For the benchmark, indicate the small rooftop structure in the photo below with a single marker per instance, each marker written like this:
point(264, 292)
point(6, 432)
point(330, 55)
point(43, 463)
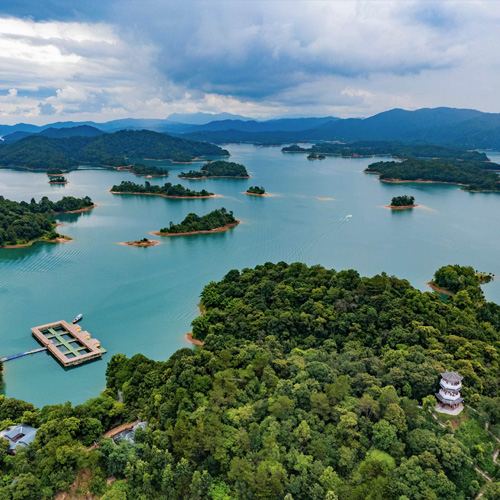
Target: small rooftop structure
point(21, 435)
point(130, 434)
point(449, 399)
point(67, 343)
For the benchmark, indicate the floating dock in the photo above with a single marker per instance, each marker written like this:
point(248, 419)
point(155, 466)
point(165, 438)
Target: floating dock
point(67, 343)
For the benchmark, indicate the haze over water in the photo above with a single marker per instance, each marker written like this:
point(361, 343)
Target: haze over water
point(137, 300)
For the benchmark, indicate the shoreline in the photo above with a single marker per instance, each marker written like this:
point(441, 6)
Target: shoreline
point(140, 244)
point(60, 239)
point(402, 207)
point(420, 181)
point(214, 177)
point(207, 231)
point(86, 209)
point(440, 290)
point(169, 196)
point(191, 340)
point(256, 194)
point(52, 182)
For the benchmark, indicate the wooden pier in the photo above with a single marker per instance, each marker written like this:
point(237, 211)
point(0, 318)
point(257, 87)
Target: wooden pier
point(67, 343)
point(20, 355)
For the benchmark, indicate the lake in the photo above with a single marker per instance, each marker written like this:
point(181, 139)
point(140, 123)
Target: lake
point(142, 300)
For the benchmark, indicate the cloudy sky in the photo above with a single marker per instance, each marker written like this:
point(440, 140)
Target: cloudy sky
point(107, 59)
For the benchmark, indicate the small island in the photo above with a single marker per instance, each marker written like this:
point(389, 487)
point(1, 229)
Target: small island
point(143, 170)
point(168, 190)
point(217, 168)
point(402, 203)
point(469, 174)
point(214, 222)
point(22, 223)
point(58, 179)
point(452, 279)
point(144, 243)
point(256, 191)
point(314, 156)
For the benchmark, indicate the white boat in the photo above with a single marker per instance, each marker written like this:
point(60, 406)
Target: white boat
point(78, 318)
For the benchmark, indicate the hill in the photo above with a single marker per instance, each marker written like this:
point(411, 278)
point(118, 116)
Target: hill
point(309, 384)
point(80, 130)
point(40, 153)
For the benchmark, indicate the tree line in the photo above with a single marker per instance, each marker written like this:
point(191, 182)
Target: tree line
point(194, 223)
point(468, 173)
point(22, 222)
point(217, 168)
point(168, 189)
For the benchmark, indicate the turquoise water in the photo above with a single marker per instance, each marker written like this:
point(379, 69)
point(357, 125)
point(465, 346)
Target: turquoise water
point(144, 299)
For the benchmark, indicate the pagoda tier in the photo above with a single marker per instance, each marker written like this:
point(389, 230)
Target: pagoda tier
point(449, 399)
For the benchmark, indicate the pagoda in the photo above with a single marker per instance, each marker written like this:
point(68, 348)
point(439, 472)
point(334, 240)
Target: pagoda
point(449, 400)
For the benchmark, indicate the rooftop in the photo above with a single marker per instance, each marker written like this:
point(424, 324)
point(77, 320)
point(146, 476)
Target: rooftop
point(451, 377)
point(21, 435)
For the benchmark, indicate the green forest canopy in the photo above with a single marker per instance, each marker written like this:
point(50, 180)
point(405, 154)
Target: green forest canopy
point(467, 173)
point(402, 201)
point(256, 190)
point(21, 222)
point(396, 149)
point(219, 168)
point(46, 153)
point(167, 189)
point(307, 387)
point(192, 223)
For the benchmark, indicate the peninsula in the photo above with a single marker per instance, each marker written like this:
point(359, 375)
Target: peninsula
point(218, 168)
point(168, 190)
point(452, 279)
point(214, 222)
point(22, 223)
point(468, 174)
point(387, 148)
point(402, 202)
point(256, 191)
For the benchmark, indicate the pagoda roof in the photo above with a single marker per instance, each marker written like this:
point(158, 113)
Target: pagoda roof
point(451, 376)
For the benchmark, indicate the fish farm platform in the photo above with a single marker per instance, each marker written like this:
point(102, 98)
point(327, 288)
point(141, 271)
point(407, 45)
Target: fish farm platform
point(67, 343)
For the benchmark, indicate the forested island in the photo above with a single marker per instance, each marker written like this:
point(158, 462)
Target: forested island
point(402, 202)
point(387, 148)
point(256, 190)
point(314, 156)
point(311, 384)
point(23, 223)
point(456, 278)
point(38, 152)
point(144, 170)
point(214, 222)
point(217, 169)
point(168, 190)
point(465, 173)
point(58, 179)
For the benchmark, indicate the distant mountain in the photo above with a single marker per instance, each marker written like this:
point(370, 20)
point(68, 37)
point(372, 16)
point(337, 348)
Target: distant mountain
point(282, 125)
point(120, 148)
point(459, 128)
point(81, 130)
point(203, 118)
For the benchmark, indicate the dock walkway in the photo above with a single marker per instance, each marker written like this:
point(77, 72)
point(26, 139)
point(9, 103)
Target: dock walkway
point(21, 354)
